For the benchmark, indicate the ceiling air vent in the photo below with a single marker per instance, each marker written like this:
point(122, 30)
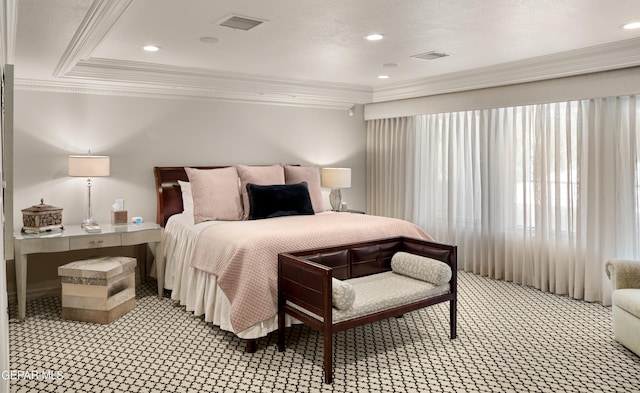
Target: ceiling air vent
point(430, 55)
point(240, 22)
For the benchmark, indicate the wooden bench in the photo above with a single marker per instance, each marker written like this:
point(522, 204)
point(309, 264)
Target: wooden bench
point(305, 286)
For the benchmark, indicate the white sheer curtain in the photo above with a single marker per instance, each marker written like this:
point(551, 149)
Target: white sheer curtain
point(390, 162)
point(540, 195)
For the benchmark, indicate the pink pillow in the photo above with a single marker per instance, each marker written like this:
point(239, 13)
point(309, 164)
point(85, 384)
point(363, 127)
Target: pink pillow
point(215, 194)
point(310, 174)
point(260, 175)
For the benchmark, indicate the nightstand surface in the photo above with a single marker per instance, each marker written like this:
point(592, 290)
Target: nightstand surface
point(73, 237)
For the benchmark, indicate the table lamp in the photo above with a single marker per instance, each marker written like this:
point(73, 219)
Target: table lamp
point(336, 178)
point(89, 166)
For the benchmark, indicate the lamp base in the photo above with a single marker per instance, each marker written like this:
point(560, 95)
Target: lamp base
point(91, 225)
point(335, 198)
point(89, 221)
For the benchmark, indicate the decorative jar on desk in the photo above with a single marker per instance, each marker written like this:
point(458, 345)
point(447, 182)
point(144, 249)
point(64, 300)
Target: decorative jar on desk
point(41, 218)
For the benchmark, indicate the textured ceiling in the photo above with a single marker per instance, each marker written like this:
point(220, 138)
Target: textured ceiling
point(312, 44)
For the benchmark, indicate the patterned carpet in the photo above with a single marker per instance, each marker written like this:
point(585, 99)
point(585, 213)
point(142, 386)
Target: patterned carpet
point(510, 339)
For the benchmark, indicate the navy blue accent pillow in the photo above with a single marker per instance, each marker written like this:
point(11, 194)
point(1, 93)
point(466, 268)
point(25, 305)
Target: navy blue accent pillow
point(279, 200)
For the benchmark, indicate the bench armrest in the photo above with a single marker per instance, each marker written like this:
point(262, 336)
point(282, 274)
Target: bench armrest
point(446, 253)
point(623, 273)
point(304, 283)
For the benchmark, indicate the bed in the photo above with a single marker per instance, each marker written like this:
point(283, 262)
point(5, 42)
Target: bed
point(225, 270)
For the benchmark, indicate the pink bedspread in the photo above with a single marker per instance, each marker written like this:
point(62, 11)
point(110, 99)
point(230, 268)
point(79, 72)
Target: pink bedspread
point(243, 255)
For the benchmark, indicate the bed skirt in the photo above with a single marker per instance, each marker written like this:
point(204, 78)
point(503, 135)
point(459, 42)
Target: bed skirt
point(196, 290)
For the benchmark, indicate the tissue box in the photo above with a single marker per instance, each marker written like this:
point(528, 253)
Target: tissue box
point(119, 217)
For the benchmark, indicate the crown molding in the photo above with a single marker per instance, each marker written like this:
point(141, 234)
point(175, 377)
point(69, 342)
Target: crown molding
point(97, 23)
point(110, 70)
point(77, 71)
point(147, 79)
point(616, 55)
point(178, 92)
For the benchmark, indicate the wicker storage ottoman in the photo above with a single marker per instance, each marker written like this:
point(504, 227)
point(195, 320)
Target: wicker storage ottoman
point(98, 290)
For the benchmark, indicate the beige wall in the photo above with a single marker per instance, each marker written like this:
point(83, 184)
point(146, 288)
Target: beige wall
point(139, 133)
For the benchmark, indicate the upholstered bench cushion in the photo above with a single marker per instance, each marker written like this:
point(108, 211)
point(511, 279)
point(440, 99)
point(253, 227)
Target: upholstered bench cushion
point(386, 290)
point(382, 291)
point(627, 299)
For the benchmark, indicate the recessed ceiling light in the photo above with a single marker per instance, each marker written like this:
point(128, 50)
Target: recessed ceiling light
point(374, 37)
point(390, 65)
point(631, 26)
point(209, 40)
point(151, 48)
point(383, 77)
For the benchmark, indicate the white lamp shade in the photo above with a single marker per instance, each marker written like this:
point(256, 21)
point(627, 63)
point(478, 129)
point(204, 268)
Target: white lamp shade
point(336, 177)
point(89, 166)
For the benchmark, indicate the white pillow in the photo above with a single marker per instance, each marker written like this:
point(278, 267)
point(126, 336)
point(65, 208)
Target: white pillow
point(342, 294)
point(187, 197)
point(421, 268)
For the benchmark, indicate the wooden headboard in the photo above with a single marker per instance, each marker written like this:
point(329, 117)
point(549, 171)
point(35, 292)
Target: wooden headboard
point(168, 195)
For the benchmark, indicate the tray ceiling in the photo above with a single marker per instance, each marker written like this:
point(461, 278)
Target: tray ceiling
point(314, 52)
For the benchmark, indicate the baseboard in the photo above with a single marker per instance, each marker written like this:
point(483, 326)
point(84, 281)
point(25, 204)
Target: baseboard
point(48, 288)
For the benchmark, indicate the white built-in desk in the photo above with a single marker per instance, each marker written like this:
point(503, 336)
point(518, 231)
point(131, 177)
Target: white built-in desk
point(73, 237)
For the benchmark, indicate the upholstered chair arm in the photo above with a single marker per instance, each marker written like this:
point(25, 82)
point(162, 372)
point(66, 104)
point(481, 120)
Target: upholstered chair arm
point(623, 273)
